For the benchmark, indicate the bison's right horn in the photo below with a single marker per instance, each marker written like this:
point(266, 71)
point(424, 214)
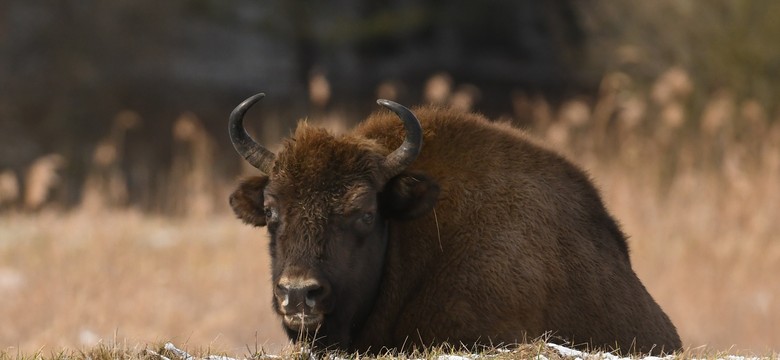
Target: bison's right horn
point(254, 153)
point(402, 157)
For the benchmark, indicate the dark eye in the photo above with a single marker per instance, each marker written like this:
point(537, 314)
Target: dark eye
point(367, 218)
point(270, 214)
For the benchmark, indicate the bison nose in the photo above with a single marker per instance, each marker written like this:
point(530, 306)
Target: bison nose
point(300, 295)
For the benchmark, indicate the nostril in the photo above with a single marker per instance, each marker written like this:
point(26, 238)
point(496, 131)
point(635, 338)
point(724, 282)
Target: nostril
point(315, 292)
point(300, 294)
point(283, 295)
point(313, 295)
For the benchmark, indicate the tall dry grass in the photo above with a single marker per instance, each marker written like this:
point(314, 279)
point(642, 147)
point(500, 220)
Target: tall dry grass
point(70, 280)
point(697, 191)
point(696, 187)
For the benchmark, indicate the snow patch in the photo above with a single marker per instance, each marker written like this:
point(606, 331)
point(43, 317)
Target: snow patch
point(562, 350)
point(186, 356)
point(454, 357)
point(581, 355)
point(735, 357)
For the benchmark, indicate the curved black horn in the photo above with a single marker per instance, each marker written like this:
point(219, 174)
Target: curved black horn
point(254, 153)
point(402, 157)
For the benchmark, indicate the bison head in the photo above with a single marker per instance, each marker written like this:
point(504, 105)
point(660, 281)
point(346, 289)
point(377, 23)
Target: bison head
point(327, 202)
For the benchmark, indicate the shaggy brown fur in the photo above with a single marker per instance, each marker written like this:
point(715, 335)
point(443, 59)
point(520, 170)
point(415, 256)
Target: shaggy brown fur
point(486, 238)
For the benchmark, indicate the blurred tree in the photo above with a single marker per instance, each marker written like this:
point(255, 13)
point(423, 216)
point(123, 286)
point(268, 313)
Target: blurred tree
point(69, 67)
point(725, 44)
point(495, 44)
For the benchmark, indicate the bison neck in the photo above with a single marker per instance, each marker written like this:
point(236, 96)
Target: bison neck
point(407, 262)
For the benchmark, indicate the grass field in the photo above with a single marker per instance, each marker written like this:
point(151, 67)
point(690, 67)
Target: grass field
point(70, 280)
point(538, 350)
point(710, 257)
point(698, 194)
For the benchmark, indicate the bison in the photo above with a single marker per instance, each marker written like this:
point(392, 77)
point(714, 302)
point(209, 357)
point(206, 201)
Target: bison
point(450, 229)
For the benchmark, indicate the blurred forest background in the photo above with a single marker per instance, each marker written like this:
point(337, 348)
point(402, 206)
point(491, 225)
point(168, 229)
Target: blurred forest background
point(103, 87)
point(114, 149)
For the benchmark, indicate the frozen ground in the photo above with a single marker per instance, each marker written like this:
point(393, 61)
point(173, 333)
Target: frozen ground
point(565, 352)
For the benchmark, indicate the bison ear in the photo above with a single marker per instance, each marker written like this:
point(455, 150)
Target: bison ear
point(247, 200)
point(408, 196)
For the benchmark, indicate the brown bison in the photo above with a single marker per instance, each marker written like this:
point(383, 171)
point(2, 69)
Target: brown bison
point(451, 229)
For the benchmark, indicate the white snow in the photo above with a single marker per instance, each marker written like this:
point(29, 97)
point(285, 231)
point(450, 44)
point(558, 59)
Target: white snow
point(564, 351)
point(453, 357)
point(184, 355)
point(567, 351)
point(180, 353)
point(580, 355)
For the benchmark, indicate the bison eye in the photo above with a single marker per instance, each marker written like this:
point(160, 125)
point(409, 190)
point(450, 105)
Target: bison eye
point(270, 214)
point(367, 219)
point(362, 223)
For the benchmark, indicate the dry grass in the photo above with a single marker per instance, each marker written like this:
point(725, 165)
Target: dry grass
point(709, 255)
point(70, 280)
point(537, 350)
point(699, 195)
point(698, 191)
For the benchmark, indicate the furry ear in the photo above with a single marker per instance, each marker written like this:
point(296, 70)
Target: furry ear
point(408, 196)
point(247, 200)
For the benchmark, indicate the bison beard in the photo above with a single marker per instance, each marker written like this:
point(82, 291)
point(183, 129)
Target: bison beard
point(519, 243)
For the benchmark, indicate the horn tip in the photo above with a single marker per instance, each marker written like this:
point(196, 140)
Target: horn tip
point(385, 102)
point(254, 98)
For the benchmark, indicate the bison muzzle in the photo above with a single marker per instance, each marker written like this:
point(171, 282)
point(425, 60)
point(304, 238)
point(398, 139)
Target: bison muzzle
point(479, 237)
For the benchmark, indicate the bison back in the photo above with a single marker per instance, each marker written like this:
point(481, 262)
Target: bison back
point(519, 244)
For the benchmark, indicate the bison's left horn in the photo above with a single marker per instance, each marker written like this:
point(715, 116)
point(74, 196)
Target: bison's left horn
point(254, 153)
point(402, 157)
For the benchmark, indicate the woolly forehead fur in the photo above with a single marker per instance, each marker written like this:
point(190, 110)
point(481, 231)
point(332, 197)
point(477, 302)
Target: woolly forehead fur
point(315, 162)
